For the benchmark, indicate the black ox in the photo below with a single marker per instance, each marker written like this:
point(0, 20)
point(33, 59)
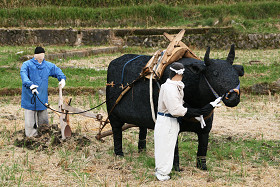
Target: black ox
point(134, 107)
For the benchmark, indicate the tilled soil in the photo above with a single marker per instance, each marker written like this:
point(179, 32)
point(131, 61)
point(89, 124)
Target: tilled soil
point(48, 136)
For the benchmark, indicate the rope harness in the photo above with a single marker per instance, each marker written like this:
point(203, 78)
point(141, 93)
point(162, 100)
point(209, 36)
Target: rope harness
point(236, 89)
point(126, 64)
point(48, 106)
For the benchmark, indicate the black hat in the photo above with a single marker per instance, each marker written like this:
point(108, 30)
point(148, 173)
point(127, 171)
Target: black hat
point(39, 50)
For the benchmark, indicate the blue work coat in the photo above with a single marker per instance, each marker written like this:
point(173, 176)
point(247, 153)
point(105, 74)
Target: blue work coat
point(32, 72)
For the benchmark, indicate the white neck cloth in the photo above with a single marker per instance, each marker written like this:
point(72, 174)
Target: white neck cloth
point(180, 71)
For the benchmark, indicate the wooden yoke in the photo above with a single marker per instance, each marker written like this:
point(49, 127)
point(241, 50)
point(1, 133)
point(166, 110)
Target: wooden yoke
point(175, 51)
point(163, 62)
point(189, 53)
point(148, 69)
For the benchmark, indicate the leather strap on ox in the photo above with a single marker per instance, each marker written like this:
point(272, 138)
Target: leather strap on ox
point(236, 89)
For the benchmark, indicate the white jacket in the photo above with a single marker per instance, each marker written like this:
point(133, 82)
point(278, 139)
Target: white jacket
point(171, 98)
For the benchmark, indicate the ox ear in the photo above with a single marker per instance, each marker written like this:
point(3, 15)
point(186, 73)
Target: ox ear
point(207, 60)
point(231, 54)
point(239, 69)
point(196, 67)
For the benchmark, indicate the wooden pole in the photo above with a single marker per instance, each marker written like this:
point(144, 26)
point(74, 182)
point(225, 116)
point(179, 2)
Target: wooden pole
point(62, 116)
point(65, 128)
point(181, 44)
point(110, 132)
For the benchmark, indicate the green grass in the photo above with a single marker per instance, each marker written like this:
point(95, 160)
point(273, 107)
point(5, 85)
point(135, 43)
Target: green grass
point(10, 55)
point(222, 150)
point(75, 78)
point(267, 71)
point(260, 74)
point(111, 3)
point(248, 16)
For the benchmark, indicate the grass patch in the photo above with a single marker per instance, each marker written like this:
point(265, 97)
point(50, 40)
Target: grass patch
point(260, 74)
point(10, 55)
point(75, 78)
point(83, 72)
point(228, 157)
point(111, 3)
point(248, 16)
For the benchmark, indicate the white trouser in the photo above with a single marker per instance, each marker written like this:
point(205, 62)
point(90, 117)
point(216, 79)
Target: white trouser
point(30, 115)
point(165, 137)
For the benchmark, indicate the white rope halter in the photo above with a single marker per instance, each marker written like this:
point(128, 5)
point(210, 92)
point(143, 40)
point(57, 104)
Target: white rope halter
point(179, 71)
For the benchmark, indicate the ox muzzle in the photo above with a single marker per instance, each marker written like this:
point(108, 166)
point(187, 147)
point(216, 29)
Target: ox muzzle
point(236, 90)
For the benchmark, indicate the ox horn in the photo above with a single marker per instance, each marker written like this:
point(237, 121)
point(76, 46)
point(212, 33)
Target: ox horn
point(206, 57)
point(231, 54)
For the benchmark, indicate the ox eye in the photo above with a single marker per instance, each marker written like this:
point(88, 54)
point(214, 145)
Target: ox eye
point(216, 73)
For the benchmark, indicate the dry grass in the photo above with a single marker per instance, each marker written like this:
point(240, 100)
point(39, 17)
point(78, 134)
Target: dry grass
point(95, 165)
point(255, 117)
point(97, 62)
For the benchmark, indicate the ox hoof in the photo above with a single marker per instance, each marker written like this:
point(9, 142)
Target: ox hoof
point(177, 168)
point(141, 146)
point(141, 150)
point(201, 163)
point(119, 154)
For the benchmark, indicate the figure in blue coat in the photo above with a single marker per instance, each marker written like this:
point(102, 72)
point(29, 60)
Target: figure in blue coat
point(35, 74)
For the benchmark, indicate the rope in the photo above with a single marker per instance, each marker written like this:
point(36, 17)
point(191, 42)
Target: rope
point(71, 112)
point(211, 88)
point(126, 64)
point(217, 95)
point(129, 85)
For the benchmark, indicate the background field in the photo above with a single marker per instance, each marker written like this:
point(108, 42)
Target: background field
point(91, 71)
point(246, 16)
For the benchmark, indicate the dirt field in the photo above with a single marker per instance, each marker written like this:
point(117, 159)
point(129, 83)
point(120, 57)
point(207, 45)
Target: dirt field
point(256, 117)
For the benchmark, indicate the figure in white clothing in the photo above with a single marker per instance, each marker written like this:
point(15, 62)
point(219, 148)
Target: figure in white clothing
point(170, 106)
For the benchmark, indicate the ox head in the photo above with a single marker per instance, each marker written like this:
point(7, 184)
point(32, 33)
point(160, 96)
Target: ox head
point(222, 76)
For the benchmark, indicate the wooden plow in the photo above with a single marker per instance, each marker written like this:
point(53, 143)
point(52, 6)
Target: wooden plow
point(66, 109)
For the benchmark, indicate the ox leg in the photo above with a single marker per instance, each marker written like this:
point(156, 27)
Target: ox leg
point(202, 151)
point(142, 139)
point(176, 164)
point(117, 136)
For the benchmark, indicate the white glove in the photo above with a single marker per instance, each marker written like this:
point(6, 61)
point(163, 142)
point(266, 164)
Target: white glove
point(216, 102)
point(33, 89)
point(62, 83)
point(201, 120)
